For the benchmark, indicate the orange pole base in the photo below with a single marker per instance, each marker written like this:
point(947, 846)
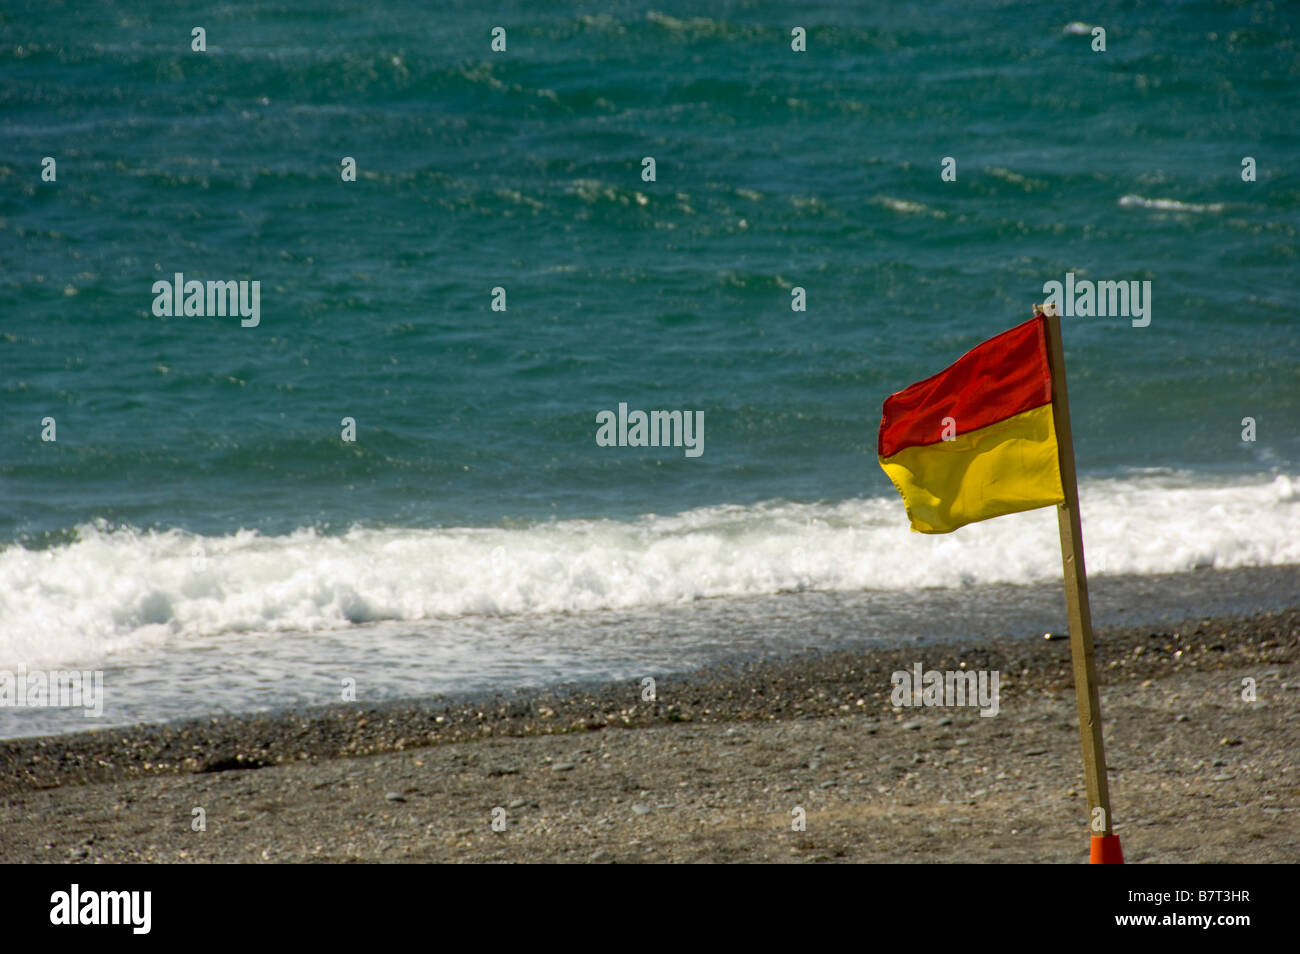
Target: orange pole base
point(1106, 850)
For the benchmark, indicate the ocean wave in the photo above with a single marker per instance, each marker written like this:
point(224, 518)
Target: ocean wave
point(906, 206)
point(1015, 178)
point(112, 590)
point(1168, 205)
point(695, 26)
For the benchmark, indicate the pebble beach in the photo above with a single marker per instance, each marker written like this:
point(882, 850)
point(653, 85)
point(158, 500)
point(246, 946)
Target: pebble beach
point(722, 766)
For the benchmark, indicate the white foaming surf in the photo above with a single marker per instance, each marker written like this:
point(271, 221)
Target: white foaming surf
point(1169, 205)
point(112, 591)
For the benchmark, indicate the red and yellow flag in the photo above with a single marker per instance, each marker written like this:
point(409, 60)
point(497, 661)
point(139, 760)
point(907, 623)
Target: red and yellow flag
point(976, 440)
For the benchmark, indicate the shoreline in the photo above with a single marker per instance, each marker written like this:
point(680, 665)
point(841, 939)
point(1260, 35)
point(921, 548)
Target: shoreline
point(340, 730)
point(717, 755)
point(600, 647)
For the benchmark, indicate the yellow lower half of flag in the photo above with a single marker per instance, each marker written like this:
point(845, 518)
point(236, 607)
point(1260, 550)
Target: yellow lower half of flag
point(1003, 468)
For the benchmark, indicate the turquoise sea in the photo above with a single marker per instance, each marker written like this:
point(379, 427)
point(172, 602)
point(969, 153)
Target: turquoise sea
point(200, 529)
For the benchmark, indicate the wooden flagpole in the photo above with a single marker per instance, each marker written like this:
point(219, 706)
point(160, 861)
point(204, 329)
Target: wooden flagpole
point(1105, 843)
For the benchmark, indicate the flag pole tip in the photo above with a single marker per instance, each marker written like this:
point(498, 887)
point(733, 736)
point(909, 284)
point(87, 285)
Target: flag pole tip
point(1106, 850)
point(1047, 309)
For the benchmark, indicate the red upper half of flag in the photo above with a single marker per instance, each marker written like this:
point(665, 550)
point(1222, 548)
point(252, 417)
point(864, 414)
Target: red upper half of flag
point(1004, 376)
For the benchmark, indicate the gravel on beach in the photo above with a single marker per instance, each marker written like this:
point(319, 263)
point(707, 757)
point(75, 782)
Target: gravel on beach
point(791, 760)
